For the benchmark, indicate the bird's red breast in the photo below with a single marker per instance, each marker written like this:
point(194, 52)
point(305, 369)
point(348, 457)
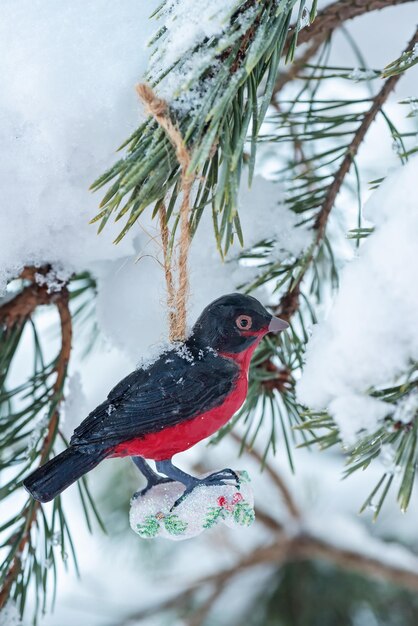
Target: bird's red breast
point(174, 439)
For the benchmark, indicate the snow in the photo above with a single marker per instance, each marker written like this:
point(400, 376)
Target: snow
point(56, 539)
point(360, 74)
point(407, 408)
point(263, 215)
point(354, 413)
point(204, 20)
point(54, 279)
point(139, 288)
point(75, 403)
point(370, 336)
point(348, 534)
point(60, 123)
point(9, 615)
point(67, 102)
point(177, 59)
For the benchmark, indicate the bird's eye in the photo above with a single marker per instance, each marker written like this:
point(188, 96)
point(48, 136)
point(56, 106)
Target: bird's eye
point(244, 322)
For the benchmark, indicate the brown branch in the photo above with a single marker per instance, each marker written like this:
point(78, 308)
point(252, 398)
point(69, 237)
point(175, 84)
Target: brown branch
point(20, 307)
point(286, 550)
point(198, 617)
point(18, 310)
point(275, 477)
point(282, 380)
point(377, 103)
point(268, 520)
point(335, 14)
point(289, 549)
point(361, 564)
point(289, 303)
point(327, 21)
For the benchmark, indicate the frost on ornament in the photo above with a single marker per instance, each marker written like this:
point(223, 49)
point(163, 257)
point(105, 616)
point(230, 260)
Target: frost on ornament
point(152, 515)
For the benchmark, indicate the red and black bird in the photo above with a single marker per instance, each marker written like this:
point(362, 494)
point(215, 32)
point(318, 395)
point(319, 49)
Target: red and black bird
point(187, 394)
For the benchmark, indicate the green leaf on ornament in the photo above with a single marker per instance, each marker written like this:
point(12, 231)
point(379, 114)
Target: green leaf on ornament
point(244, 477)
point(243, 514)
point(149, 528)
point(214, 515)
point(174, 525)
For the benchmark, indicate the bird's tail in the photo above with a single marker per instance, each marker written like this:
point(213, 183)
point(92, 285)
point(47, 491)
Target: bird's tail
point(49, 480)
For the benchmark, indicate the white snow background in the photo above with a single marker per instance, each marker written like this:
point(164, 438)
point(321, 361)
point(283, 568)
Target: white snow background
point(67, 101)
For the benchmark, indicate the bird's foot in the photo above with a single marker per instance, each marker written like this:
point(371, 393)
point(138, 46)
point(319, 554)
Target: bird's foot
point(215, 479)
point(150, 485)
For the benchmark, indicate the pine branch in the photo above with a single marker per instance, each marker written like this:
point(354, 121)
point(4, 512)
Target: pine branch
point(237, 79)
point(29, 419)
point(325, 24)
point(298, 63)
point(378, 102)
point(397, 433)
point(21, 308)
point(336, 14)
point(404, 62)
point(290, 302)
point(313, 193)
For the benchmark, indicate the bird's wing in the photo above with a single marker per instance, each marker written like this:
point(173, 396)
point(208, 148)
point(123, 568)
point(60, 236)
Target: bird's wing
point(150, 400)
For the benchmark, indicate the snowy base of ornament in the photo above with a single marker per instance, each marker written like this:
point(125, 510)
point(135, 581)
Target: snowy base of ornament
point(152, 515)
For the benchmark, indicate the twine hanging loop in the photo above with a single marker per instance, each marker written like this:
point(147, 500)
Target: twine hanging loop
point(177, 294)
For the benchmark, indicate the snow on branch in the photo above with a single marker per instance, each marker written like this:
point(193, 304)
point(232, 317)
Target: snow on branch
point(218, 81)
point(361, 362)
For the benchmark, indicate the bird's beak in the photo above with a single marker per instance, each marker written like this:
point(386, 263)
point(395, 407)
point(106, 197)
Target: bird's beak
point(276, 325)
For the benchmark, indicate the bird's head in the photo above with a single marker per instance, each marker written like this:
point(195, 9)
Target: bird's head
point(233, 323)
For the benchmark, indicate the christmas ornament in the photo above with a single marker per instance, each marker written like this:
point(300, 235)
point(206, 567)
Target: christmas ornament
point(186, 395)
